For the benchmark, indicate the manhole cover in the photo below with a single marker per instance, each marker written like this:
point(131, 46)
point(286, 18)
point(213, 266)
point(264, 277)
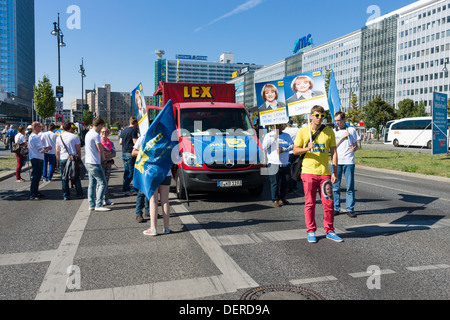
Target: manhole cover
point(281, 292)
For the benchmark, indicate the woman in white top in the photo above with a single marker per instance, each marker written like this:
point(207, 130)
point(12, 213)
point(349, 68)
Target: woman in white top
point(20, 138)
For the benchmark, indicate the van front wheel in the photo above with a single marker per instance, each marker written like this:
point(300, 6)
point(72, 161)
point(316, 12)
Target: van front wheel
point(181, 193)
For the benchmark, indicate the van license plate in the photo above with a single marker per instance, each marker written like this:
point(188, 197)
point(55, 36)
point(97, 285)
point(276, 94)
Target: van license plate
point(228, 184)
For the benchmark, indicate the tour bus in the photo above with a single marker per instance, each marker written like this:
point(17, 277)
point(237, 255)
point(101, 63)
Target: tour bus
point(411, 132)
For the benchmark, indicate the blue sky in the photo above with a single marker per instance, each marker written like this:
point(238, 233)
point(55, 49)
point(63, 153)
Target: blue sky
point(117, 38)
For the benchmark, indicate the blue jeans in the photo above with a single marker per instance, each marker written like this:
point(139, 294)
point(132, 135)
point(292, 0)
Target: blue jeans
point(36, 175)
point(96, 176)
point(349, 174)
point(279, 183)
point(65, 183)
point(141, 202)
point(49, 166)
point(128, 170)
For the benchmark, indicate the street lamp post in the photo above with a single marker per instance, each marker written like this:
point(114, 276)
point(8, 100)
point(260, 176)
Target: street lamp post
point(60, 43)
point(83, 75)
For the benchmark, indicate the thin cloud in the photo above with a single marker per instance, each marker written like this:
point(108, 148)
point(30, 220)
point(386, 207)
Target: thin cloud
point(242, 8)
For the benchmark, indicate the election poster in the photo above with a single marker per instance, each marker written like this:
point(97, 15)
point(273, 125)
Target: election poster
point(440, 138)
point(304, 91)
point(140, 107)
point(271, 103)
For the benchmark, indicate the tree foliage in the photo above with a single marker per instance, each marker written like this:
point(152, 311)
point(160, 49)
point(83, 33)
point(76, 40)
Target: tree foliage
point(44, 98)
point(407, 109)
point(377, 113)
point(88, 117)
point(354, 114)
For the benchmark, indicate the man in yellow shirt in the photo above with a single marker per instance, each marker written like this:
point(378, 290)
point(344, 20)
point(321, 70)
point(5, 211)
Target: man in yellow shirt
point(315, 171)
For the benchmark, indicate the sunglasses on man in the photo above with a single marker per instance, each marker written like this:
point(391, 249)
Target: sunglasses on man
point(319, 116)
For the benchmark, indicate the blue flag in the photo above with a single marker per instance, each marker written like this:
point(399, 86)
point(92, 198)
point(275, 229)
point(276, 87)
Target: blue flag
point(154, 160)
point(334, 101)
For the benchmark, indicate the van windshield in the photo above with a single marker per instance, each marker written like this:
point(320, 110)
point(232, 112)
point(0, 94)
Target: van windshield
point(215, 122)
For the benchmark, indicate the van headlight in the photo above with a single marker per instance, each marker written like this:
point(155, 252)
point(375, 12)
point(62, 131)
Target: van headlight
point(190, 160)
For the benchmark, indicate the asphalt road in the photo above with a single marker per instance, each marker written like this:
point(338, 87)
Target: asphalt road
point(224, 244)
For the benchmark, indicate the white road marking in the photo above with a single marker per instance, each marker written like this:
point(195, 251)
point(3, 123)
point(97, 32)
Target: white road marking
point(313, 280)
point(53, 286)
point(368, 274)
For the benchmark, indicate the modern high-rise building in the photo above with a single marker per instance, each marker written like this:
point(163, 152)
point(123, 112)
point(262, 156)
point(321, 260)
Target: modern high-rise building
point(17, 47)
point(17, 56)
point(196, 69)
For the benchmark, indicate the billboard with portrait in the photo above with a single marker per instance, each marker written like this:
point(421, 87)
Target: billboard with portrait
point(304, 91)
point(271, 103)
point(140, 107)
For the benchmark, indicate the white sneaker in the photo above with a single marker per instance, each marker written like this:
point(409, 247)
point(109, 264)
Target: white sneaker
point(102, 209)
point(91, 208)
point(150, 232)
point(108, 203)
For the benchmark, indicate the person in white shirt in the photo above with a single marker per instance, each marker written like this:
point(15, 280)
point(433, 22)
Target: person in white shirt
point(36, 152)
point(94, 158)
point(68, 143)
point(49, 139)
point(346, 141)
point(277, 147)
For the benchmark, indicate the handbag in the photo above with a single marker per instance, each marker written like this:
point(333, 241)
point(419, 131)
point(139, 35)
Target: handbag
point(20, 149)
point(79, 170)
point(296, 168)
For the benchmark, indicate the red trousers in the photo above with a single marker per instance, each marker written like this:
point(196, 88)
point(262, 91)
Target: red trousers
point(20, 162)
point(312, 183)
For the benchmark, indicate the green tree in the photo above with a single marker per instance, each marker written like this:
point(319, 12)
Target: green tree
point(407, 109)
point(87, 117)
point(420, 110)
point(299, 120)
point(354, 114)
point(377, 113)
point(44, 98)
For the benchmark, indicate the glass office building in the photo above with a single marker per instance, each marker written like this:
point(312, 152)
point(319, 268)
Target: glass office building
point(17, 49)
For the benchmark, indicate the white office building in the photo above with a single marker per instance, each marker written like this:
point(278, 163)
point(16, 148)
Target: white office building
point(423, 49)
point(343, 57)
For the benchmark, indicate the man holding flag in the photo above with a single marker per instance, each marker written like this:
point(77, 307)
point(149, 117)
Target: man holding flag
point(154, 161)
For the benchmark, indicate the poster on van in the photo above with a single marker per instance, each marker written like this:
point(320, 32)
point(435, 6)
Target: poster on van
point(304, 91)
point(140, 107)
point(271, 103)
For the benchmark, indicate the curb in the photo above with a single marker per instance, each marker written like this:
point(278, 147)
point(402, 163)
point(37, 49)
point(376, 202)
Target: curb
point(407, 174)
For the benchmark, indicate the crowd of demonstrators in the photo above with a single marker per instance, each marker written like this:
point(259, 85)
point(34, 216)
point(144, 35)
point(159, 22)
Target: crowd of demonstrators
point(317, 143)
point(283, 145)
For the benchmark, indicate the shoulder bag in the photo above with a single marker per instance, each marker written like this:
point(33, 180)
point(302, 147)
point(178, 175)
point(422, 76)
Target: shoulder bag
point(296, 168)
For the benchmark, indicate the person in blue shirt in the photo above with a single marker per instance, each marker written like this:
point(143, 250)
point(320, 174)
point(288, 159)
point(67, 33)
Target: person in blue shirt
point(11, 133)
